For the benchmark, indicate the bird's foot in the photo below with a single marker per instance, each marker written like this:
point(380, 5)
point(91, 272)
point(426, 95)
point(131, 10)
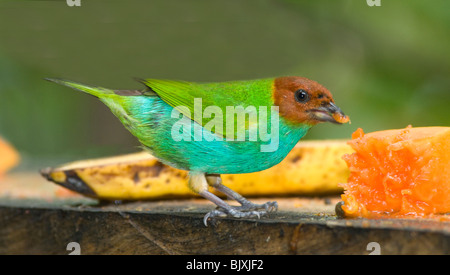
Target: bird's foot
point(233, 213)
point(248, 210)
point(270, 206)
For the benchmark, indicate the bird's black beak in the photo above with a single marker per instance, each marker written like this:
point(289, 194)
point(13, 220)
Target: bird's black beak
point(329, 113)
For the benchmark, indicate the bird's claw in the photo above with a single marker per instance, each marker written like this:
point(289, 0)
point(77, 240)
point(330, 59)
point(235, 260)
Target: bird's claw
point(250, 210)
point(270, 206)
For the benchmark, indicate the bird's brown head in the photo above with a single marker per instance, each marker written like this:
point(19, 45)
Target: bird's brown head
point(301, 100)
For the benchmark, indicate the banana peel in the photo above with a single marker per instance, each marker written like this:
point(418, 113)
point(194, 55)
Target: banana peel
point(311, 168)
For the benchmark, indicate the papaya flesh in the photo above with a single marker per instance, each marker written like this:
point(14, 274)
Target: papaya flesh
point(398, 173)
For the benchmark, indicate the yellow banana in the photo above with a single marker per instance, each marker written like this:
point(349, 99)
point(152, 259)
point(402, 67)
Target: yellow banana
point(311, 168)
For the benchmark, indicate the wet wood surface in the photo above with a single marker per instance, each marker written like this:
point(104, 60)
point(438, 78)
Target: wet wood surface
point(48, 224)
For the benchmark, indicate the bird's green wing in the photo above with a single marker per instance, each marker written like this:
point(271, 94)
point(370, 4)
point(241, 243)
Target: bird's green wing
point(211, 104)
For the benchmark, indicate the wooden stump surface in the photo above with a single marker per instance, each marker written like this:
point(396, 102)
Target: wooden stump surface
point(45, 224)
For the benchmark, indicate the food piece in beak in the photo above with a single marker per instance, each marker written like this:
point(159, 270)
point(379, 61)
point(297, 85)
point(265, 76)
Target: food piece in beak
point(341, 118)
point(330, 113)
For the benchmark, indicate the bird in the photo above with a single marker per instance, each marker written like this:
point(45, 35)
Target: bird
point(202, 127)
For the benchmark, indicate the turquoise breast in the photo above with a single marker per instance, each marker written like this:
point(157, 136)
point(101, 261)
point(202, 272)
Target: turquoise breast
point(174, 139)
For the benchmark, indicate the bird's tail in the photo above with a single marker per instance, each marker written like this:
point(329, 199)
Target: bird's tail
point(95, 91)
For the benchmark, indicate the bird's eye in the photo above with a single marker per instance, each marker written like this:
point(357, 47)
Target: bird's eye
point(301, 96)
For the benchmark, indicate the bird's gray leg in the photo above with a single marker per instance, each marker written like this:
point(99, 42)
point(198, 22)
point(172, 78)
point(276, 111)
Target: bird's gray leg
point(215, 181)
point(198, 184)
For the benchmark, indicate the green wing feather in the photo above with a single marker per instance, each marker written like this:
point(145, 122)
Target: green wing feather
point(220, 94)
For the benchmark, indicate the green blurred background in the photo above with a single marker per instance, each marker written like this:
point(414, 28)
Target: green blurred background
point(387, 66)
